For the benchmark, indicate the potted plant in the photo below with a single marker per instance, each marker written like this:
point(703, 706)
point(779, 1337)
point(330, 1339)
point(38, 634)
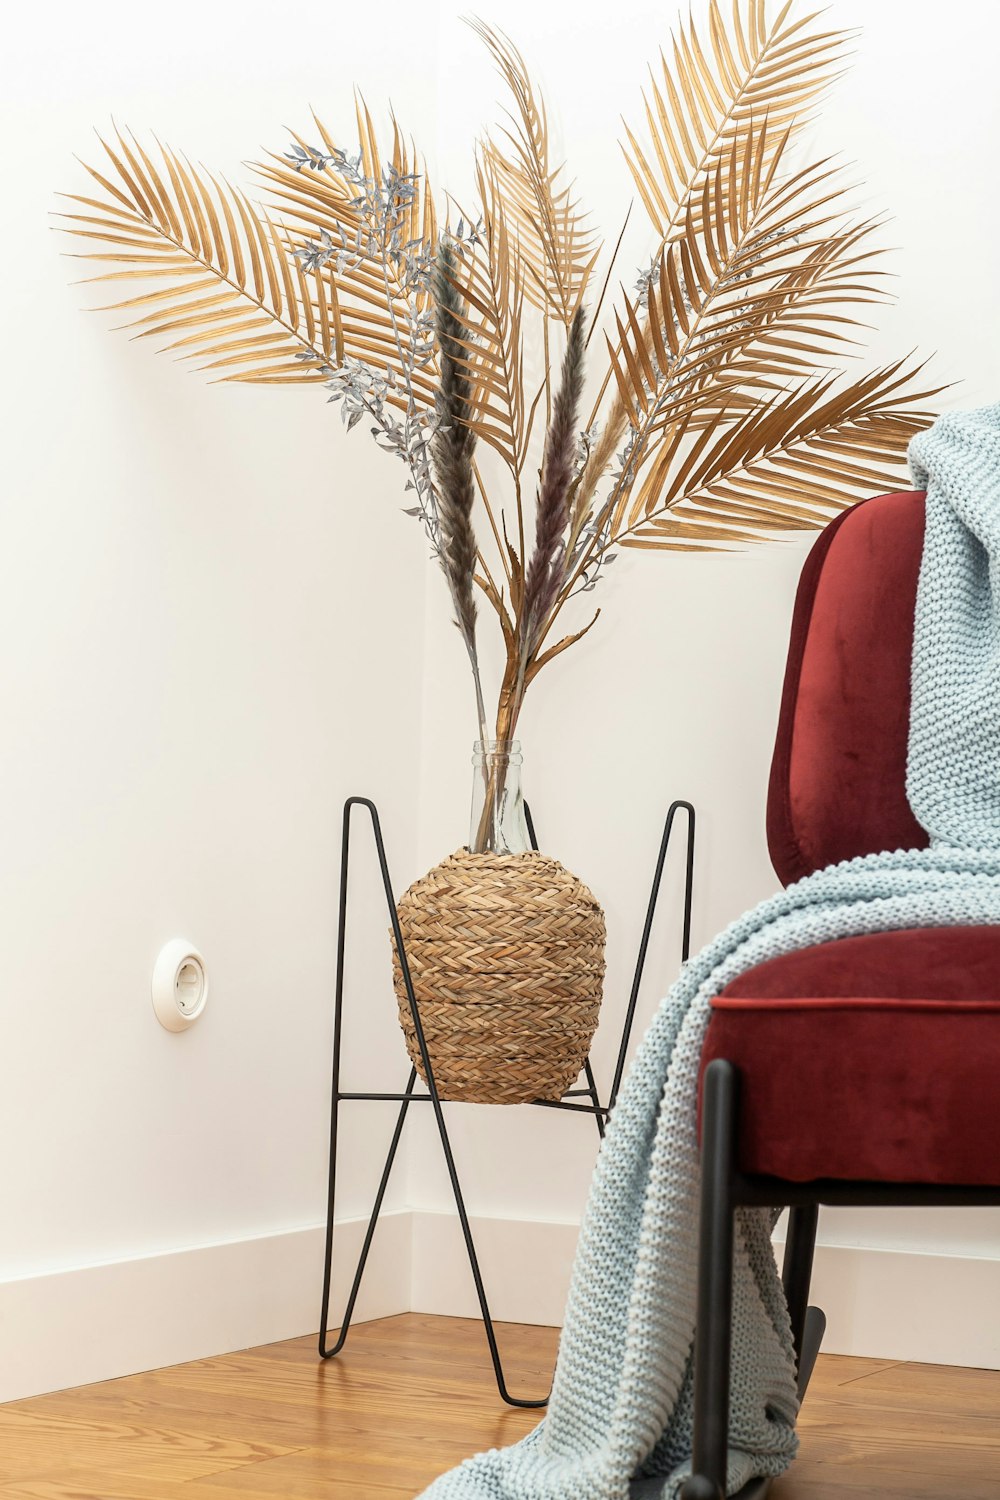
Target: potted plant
point(721, 413)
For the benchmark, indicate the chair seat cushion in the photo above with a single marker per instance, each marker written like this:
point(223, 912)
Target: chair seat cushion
point(872, 1058)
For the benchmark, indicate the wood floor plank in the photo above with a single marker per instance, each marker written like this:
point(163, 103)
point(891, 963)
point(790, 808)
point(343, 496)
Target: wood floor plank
point(874, 1483)
point(319, 1475)
point(307, 1422)
point(847, 1369)
point(326, 1487)
point(90, 1484)
point(413, 1395)
point(80, 1487)
point(934, 1389)
point(899, 1430)
point(422, 1333)
point(30, 1441)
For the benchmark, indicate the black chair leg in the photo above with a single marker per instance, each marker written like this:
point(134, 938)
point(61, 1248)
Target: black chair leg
point(796, 1272)
point(715, 1284)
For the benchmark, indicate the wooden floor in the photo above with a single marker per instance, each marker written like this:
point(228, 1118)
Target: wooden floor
point(413, 1395)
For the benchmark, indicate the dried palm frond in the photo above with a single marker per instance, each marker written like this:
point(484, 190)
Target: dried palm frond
point(558, 248)
point(785, 464)
point(242, 295)
point(235, 298)
point(754, 295)
point(754, 77)
point(755, 82)
point(492, 347)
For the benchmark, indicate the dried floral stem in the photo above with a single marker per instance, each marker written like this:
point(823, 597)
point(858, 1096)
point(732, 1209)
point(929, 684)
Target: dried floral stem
point(452, 447)
point(546, 570)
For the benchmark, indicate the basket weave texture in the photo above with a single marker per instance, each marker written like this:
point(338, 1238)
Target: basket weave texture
point(506, 955)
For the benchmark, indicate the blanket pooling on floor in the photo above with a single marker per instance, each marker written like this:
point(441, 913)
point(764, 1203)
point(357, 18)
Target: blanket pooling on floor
point(621, 1403)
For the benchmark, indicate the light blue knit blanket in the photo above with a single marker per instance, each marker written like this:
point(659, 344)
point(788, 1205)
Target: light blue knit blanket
point(622, 1397)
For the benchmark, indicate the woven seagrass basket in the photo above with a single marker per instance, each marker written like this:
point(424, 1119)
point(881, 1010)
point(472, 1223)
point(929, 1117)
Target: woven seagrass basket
point(506, 954)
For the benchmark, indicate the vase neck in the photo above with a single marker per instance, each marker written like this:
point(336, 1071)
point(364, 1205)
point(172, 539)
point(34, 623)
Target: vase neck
point(498, 824)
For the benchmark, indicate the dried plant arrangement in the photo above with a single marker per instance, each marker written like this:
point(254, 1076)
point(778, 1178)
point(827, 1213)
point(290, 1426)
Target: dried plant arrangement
point(724, 411)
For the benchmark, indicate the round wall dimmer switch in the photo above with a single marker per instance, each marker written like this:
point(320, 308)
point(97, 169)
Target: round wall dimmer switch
point(180, 985)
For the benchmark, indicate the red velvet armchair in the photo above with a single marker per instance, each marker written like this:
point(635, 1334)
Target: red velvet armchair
point(860, 1071)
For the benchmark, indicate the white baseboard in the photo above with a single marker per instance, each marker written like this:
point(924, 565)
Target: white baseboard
point(98, 1322)
point(901, 1304)
point(526, 1266)
point(887, 1304)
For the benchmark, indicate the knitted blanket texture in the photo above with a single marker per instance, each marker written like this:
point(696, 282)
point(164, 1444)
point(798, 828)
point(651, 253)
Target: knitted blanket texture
point(621, 1405)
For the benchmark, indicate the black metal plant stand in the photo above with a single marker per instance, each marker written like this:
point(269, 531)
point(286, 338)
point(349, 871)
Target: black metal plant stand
point(572, 1100)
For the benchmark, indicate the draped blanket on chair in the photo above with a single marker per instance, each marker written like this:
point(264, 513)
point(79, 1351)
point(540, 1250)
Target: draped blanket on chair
point(621, 1402)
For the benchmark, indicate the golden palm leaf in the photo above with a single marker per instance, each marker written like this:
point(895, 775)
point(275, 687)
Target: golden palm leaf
point(755, 296)
point(236, 296)
point(756, 80)
point(234, 299)
point(552, 236)
point(753, 88)
point(493, 287)
point(751, 77)
point(787, 463)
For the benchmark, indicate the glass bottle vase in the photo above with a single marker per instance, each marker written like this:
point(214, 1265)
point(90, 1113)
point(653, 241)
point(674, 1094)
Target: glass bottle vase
point(497, 824)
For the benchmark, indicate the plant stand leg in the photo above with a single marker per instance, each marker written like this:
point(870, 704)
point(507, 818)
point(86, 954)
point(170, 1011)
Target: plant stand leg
point(654, 896)
point(470, 1246)
point(328, 1351)
point(594, 1097)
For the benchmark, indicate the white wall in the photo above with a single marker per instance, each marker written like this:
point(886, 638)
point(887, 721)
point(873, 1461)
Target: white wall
point(210, 617)
point(208, 596)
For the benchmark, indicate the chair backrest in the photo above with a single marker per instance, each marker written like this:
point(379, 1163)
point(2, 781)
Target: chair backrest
point(838, 776)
